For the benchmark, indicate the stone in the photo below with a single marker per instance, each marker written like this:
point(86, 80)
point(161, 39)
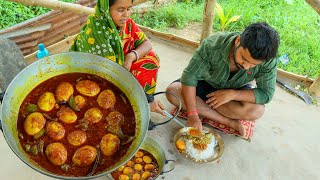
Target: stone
point(11, 62)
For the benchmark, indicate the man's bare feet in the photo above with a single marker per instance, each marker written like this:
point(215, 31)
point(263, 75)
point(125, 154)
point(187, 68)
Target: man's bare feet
point(234, 124)
point(238, 126)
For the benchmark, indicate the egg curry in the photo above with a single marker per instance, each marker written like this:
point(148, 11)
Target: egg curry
point(65, 122)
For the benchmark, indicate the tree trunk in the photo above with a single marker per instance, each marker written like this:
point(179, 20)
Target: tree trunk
point(208, 15)
point(315, 4)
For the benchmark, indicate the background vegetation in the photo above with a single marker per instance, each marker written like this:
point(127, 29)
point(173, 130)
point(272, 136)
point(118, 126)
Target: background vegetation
point(13, 13)
point(297, 23)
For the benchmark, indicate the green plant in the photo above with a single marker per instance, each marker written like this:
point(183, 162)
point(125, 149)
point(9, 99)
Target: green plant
point(175, 15)
point(14, 13)
point(224, 19)
point(191, 1)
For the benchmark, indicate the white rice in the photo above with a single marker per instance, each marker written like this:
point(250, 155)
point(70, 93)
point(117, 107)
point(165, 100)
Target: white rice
point(200, 155)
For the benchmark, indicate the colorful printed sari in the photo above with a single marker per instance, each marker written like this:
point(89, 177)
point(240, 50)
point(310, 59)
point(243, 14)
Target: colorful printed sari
point(100, 36)
point(146, 68)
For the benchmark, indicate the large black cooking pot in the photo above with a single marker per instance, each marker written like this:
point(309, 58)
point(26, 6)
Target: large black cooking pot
point(70, 62)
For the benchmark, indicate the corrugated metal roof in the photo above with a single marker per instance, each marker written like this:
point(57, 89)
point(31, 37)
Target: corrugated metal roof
point(59, 25)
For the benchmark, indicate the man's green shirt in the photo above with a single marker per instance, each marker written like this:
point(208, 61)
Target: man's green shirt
point(211, 63)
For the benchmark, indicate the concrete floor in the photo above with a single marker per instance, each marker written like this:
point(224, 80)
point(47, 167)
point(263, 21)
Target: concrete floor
point(285, 144)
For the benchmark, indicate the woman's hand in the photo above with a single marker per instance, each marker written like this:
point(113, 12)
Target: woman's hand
point(157, 106)
point(128, 60)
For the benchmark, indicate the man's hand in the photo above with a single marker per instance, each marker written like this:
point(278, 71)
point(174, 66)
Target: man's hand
point(220, 97)
point(194, 121)
point(128, 60)
point(157, 106)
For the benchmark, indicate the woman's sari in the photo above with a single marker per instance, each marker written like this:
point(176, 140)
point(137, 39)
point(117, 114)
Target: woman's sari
point(146, 68)
point(100, 37)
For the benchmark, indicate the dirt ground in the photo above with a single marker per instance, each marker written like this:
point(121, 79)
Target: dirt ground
point(191, 32)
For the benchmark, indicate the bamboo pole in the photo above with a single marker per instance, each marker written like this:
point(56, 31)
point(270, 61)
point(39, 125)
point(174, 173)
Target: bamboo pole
point(64, 6)
point(208, 15)
point(315, 4)
point(57, 5)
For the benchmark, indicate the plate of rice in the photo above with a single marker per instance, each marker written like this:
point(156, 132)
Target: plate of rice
point(199, 146)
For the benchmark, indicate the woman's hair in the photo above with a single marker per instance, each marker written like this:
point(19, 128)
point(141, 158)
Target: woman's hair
point(111, 2)
point(261, 40)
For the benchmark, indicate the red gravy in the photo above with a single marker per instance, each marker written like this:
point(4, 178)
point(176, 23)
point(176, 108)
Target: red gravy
point(94, 132)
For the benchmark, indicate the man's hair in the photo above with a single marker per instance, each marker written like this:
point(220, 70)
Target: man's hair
point(111, 2)
point(261, 40)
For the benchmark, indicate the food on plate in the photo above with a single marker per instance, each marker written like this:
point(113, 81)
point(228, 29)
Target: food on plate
point(84, 156)
point(138, 170)
point(197, 145)
point(64, 91)
point(46, 101)
point(55, 130)
point(106, 99)
point(77, 138)
point(63, 129)
point(88, 88)
point(181, 145)
point(34, 123)
point(56, 153)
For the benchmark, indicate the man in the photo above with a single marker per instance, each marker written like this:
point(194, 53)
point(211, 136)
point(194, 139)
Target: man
point(215, 83)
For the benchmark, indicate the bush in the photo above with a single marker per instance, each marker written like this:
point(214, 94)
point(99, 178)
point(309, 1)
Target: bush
point(13, 13)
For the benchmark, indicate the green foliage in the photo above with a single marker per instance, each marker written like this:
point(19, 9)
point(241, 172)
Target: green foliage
point(224, 19)
point(191, 1)
point(13, 13)
point(297, 24)
point(176, 15)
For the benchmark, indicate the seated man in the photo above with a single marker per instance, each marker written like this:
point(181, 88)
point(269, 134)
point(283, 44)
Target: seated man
point(215, 85)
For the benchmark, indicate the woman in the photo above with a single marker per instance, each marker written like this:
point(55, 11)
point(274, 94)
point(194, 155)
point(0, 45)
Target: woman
point(111, 33)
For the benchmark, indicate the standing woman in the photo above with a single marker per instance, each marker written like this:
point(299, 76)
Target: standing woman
point(111, 33)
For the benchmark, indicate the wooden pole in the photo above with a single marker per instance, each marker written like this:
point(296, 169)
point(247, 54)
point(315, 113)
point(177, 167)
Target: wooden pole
point(59, 5)
point(314, 89)
point(208, 15)
point(315, 86)
point(315, 4)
